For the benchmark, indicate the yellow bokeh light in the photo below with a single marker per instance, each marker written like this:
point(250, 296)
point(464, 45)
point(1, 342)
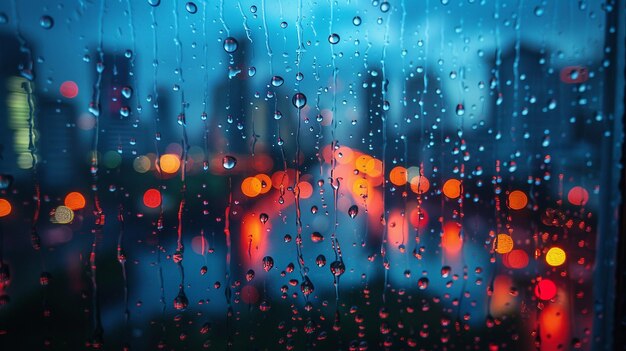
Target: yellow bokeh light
point(63, 215)
point(555, 256)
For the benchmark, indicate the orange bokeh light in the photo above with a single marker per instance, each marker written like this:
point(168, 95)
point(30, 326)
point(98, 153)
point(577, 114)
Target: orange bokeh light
point(517, 200)
point(451, 241)
point(251, 187)
point(452, 188)
point(306, 190)
point(266, 182)
point(420, 184)
point(398, 176)
point(169, 163)
point(5, 208)
point(504, 243)
point(75, 201)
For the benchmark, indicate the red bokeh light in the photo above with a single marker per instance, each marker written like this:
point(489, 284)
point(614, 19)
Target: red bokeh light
point(69, 89)
point(152, 198)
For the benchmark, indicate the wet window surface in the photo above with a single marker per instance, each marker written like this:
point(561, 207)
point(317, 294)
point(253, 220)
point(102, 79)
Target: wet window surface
point(309, 175)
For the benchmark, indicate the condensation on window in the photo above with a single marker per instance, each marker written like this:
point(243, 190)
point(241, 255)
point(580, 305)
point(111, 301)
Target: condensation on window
point(309, 175)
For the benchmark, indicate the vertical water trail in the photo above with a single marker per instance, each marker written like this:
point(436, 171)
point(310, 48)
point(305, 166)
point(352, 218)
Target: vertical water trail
point(227, 291)
point(222, 18)
point(383, 253)
point(95, 109)
point(403, 52)
point(296, 186)
point(26, 71)
point(157, 138)
point(204, 115)
point(132, 60)
point(267, 36)
point(121, 258)
point(249, 36)
point(178, 258)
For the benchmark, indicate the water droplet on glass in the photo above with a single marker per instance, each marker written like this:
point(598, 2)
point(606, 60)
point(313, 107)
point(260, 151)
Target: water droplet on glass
point(264, 218)
point(154, 2)
point(353, 211)
point(337, 268)
point(249, 275)
point(299, 100)
point(277, 81)
point(46, 22)
point(320, 260)
point(268, 263)
point(313, 209)
point(203, 270)
point(181, 302)
point(460, 110)
point(307, 287)
point(333, 38)
point(127, 92)
point(229, 162)
point(230, 45)
point(384, 6)
point(251, 71)
point(422, 283)
point(317, 237)
point(356, 21)
point(191, 7)
point(278, 115)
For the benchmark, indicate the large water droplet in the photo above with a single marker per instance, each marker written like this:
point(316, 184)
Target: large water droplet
point(268, 263)
point(299, 100)
point(353, 211)
point(154, 3)
point(333, 38)
point(356, 21)
point(230, 45)
point(277, 81)
point(46, 22)
point(191, 7)
point(229, 162)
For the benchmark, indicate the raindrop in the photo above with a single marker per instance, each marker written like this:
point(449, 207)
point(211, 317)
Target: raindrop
point(268, 263)
point(154, 3)
point(181, 302)
point(384, 6)
point(337, 268)
point(230, 45)
point(353, 211)
point(265, 306)
point(307, 286)
point(278, 115)
point(203, 270)
point(127, 92)
point(251, 71)
point(264, 218)
point(299, 100)
point(422, 283)
point(253, 9)
point(320, 260)
point(249, 275)
point(229, 162)
point(460, 110)
point(46, 22)
point(5, 181)
point(538, 11)
point(333, 38)
point(277, 81)
point(299, 76)
point(191, 7)
point(445, 271)
point(313, 209)
point(356, 21)
point(317, 237)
